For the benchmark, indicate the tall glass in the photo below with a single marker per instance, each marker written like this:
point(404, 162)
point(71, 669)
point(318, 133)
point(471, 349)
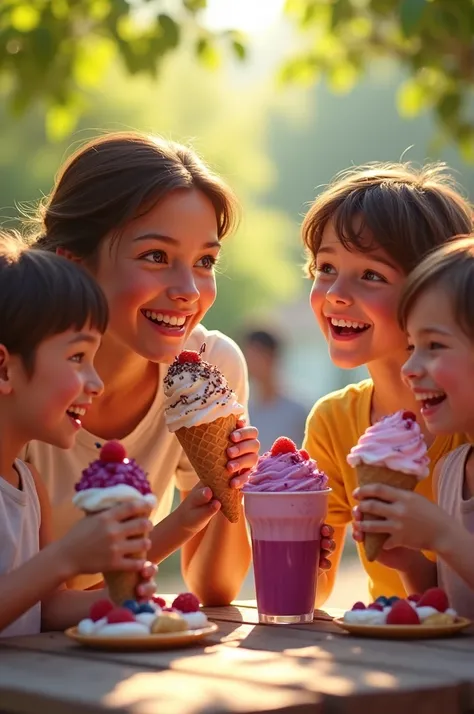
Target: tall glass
point(285, 529)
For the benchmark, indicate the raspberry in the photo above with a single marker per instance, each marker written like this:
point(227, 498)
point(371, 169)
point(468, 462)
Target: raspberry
point(161, 602)
point(434, 597)
point(100, 609)
point(375, 606)
point(358, 606)
point(409, 415)
point(283, 445)
point(188, 356)
point(304, 455)
point(186, 602)
point(402, 613)
point(414, 597)
point(120, 614)
point(113, 452)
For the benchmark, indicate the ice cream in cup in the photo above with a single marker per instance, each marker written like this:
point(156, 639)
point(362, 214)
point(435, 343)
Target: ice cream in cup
point(285, 503)
point(391, 451)
point(109, 480)
point(202, 410)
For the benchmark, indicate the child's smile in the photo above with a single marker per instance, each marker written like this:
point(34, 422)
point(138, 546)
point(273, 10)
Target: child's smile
point(346, 329)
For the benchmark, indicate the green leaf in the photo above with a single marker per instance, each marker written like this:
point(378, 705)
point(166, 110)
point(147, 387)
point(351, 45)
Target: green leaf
point(208, 53)
point(60, 121)
point(193, 6)
point(466, 144)
point(411, 12)
point(240, 50)
point(342, 77)
point(170, 30)
point(24, 17)
point(412, 98)
point(342, 10)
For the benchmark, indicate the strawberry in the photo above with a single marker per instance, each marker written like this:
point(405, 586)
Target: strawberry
point(120, 614)
point(100, 609)
point(414, 597)
point(186, 602)
point(188, 356)
point(304, 455)
point(161, 602)
point(358, 606)
point(402, 613)
point(113, 452)
point(375, 606)
point(283, 445)
point(409, 415)
point(434, 597)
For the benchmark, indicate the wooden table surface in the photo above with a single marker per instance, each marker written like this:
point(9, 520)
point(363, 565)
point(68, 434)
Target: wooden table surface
point(244, 668)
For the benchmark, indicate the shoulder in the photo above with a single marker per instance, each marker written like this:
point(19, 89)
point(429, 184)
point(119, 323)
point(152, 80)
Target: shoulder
point(220, 350)
point(340, 406)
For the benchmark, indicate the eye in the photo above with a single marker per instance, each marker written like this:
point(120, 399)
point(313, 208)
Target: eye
point(436, 346)
point(410, 348)
point(326, 269)
point(154, 256)
point(207, 262)
point(78, 357)
point(372, 277)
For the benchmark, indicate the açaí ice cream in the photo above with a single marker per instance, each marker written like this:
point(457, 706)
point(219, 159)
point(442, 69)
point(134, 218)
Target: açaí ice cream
point(396, 443)
point(285, 504)
point(109, 480)
point(202, 410)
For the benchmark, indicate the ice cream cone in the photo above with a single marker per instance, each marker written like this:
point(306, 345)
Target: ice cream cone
point(206, 448)
point(122, 584)
point(373, 542)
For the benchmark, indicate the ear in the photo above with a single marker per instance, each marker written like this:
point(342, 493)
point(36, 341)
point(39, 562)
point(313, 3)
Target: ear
point(5, 372)
point(68, 254)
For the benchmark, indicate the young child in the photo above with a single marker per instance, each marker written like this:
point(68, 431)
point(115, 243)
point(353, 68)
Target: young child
point(437, 312)
point(52, 316)
point(364, 234)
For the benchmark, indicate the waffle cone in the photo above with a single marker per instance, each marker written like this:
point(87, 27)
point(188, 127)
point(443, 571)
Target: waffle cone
point(373, 542)
point(206, 446)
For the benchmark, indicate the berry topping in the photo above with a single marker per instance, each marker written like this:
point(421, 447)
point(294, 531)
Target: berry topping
point(409, 415)
point(169, 609)
point(392, 600)
point(100, 609)
point(382, 600)
point(113, 452)
point(402, 613)
point(120, 614)
point(161, 602)
point(146, 607)
point(358, 606)
point(414, 597)
point(188, 356)
point(283, 445)
point(186, 602)
point(434, 597)
point(375, 606)
point(304, 455)
point(132, 605)
point(103, 474)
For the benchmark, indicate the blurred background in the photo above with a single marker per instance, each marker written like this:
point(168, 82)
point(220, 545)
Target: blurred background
point(278, 97)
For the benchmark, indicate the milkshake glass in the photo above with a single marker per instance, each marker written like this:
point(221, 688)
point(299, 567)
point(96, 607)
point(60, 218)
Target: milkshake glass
point(285, 504)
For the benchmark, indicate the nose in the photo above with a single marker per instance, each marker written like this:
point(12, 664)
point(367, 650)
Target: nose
point(412, 369)
point(94, 386)
point(183, 286)
point(338, 293)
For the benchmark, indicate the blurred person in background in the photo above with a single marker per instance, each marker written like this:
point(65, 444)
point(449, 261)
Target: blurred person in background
point(271, 410)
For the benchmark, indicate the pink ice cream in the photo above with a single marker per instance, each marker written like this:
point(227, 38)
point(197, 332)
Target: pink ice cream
point(290, 471)
point(395, 442)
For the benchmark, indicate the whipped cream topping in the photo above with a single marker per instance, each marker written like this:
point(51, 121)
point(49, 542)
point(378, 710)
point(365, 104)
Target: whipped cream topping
point(285, 472)
point(98, 499)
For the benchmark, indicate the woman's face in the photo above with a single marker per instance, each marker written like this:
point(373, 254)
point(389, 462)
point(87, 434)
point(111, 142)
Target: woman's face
point(159, 275)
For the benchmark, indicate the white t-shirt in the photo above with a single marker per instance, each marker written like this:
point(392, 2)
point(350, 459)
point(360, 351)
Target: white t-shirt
point(157, 450)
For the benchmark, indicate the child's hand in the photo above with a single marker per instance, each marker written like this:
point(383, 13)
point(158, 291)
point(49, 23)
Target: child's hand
point(197, 509)
point(244, 453)
point(411, 520)
point(396, 558)
point(102, 541)
point(146, 588)
point(327, 547)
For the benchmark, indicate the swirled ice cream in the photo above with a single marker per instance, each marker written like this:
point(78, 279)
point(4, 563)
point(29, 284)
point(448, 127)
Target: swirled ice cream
point(284, 469)
point(197, 393)
point(395, 442)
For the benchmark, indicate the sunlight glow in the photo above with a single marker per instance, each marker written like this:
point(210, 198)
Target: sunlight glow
point(246, 15)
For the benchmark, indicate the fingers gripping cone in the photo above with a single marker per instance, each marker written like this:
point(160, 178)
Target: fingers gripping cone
point(206, 448)
point(373, 542)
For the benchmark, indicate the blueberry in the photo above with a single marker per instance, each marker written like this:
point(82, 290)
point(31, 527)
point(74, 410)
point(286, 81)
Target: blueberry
point(383, 600)
point(146, 607)
point(132, 605)
point(393, 599)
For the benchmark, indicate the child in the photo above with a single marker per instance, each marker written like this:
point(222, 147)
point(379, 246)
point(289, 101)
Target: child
point(363, 236)
point(437, 312)
point(52, 316)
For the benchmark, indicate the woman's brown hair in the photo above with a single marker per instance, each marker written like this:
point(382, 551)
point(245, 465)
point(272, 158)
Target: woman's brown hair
point(404, 210)
point(116, 178)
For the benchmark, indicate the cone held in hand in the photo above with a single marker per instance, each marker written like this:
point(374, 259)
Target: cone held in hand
point(373, 542)
point(206, 448)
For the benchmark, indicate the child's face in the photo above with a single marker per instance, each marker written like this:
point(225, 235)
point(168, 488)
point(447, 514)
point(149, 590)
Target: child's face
point(49, 405)
point(354, 298)
point(440, 369)
point(159, 276)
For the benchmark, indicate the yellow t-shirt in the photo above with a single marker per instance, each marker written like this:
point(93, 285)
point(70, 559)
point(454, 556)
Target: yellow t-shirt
point(333, 427)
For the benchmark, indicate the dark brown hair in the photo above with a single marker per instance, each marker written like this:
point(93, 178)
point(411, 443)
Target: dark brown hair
point(42, 295)
point(405, 211)
point(116, 178)
point(449, 269)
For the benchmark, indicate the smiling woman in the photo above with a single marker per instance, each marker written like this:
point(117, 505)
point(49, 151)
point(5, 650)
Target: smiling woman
point(147, 217)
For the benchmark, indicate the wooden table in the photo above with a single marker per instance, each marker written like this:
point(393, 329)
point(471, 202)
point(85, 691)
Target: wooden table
point(245, 668)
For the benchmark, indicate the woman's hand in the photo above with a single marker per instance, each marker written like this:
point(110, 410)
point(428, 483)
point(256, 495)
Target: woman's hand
point(243, 454)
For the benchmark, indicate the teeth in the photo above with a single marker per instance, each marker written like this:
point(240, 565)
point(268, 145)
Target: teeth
point(424, 396)
point(80, 411)
point(168, 319)
point(348, 323)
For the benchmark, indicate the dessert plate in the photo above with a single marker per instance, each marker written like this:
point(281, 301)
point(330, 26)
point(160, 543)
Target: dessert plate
point(166, 640)
point(405, 632)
